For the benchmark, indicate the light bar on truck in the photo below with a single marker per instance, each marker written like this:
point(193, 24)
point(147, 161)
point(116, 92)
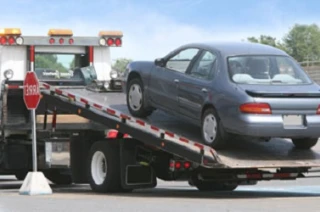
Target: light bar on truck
point(60, 32)
point(10, 31)
point(110, 34)
point(10, 36)
point(110, 38)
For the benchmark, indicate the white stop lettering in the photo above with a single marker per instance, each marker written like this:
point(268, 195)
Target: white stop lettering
point(32, 90)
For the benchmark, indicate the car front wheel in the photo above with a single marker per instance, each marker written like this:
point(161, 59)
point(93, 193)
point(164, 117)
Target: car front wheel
point(212, 130)
point(135, 99)
point(305, 143)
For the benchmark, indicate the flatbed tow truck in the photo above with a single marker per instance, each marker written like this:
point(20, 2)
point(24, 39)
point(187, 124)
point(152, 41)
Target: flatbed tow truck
point(137, 152)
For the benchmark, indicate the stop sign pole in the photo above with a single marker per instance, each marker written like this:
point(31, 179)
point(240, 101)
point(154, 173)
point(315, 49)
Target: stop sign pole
point(31, 96)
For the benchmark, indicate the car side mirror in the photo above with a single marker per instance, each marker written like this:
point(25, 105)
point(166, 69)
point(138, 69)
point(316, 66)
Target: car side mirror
point(159, 62)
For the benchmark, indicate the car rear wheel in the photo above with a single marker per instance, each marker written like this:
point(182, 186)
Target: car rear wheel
point(305, 143)
point(212, 129)
point(135, 99)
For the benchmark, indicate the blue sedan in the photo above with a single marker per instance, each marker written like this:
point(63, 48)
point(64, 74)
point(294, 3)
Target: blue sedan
point(229, 89)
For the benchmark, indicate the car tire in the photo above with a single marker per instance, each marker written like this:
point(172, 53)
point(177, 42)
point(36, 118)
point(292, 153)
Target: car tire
point(305, 143)
point(135, 99)
point(212, 130)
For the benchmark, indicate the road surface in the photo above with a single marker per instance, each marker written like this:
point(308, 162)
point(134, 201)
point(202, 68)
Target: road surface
point(300, 195)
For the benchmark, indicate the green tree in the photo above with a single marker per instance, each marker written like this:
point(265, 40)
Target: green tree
point(264, 39)
point(121, 64)
point(303, 42)
point(49, 61)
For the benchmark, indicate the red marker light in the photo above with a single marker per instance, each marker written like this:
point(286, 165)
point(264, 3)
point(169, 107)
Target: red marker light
point(71, 41)
point(187, 165)
point(61, 40)
point(51, 41)
point(110, 41)
point(118, 42)
point(11, 40)
point(178, 165)
point(3, 40)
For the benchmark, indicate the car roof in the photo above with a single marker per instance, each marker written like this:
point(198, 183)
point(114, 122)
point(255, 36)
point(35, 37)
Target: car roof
point(239, 48)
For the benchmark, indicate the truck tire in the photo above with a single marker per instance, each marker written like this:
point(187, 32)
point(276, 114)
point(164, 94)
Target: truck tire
point(306, 143)
point(58, 178)
point(135, 99)
point(104, 167)
point(215, 186)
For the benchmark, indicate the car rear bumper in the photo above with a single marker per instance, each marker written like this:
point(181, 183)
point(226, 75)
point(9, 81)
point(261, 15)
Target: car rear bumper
point(275, 126)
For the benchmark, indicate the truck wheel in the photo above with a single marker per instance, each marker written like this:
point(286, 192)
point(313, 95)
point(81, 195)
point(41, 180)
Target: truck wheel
point(305, 143)
point(135, 99)
point(215, 186)
point(104, 167)
point(212, 130)
point(58, 178)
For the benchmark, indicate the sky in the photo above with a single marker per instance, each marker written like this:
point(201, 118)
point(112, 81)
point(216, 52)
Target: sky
point(153, 28)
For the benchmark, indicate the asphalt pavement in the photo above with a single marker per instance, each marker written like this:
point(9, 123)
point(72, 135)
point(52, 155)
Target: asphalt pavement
point(299, 195)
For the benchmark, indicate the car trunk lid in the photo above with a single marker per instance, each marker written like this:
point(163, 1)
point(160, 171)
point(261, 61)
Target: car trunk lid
point(286, 99)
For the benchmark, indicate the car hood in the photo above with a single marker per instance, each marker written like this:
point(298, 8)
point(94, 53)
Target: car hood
point(261, 90)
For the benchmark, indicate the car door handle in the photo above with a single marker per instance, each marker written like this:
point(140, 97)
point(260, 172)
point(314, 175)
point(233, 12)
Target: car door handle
point(176, 81)
point(204, 90)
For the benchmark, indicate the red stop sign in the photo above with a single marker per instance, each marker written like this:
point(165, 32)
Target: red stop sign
point(31, 90)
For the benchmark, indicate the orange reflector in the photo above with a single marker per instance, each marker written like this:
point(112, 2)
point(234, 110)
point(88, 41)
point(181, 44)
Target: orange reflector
point(60, 32)
point(110, 33)
point(10, 31)
point(79, 111)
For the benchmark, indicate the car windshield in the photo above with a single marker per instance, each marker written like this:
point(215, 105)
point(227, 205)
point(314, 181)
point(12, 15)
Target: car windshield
point(253, 69)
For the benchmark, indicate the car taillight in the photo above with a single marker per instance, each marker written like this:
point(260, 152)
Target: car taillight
point(318, 110)
point(256, 108)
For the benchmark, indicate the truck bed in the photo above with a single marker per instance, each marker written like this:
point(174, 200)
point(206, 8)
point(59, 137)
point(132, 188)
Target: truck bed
point(277, 153)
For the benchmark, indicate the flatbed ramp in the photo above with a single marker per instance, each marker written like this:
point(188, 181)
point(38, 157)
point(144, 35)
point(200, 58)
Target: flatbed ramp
point(277, 153)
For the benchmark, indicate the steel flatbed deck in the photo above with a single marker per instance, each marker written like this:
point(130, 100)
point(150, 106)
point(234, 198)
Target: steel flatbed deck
point(177, 136)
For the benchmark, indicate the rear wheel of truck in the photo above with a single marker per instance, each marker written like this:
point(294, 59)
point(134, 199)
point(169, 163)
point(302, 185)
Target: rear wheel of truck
point(305, 143)
point(215, 186)
point(104, 167)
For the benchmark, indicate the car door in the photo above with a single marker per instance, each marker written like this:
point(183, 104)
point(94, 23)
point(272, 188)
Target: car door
point(164, 81)
point(195, 86)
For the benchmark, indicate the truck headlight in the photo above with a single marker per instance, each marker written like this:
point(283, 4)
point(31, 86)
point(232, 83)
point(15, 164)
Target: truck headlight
point(113, 74)
point(8, 74)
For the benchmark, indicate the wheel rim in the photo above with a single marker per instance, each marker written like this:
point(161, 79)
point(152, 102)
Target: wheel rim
point(98, 167)
point(209, 128)
point(135, 97)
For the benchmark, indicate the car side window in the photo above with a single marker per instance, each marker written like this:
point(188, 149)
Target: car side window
point(181, 61)
point(202, 69)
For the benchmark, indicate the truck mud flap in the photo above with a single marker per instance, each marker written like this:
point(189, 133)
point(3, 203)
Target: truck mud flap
point(133, 174)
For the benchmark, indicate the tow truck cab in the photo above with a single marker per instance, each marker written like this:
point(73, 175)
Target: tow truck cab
point(88, 61)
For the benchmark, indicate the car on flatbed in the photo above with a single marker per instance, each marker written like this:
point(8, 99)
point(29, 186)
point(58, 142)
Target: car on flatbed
point(229, 89)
